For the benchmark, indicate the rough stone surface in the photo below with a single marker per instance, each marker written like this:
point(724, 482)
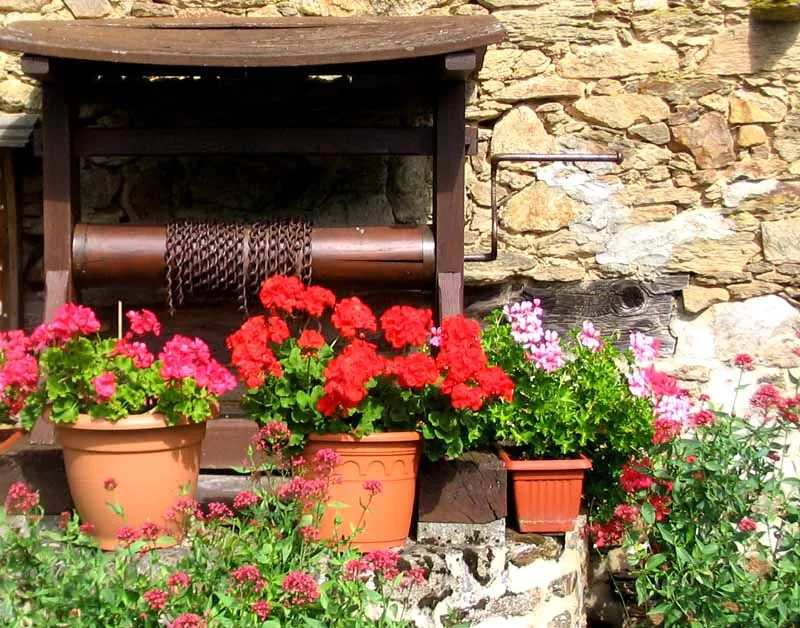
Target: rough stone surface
point(698, 298)
point(657, 133)
point(610, 61)
point(541, 88)
point(539, 207)
point(6, 6)
point(520, 130)
point(623, 110)
point(708, 140)
point(150, 9)
point(432, 533)
point(781, 240)
point(750, 107)
point(88, 8)
point(751, 135)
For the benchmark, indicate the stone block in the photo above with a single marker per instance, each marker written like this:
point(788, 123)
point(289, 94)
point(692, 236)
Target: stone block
point(708, 140)
point(492, 533)
point(88, 8)
point(622, 110)
point(781, 240)
point(698, 298)
point(471, 489)
point(608, 61)
point(749, 107)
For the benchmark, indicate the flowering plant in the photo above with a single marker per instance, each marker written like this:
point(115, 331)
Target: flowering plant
point(66, 367)
point(711, 523)
point(572, 395)
point(348, 385)
point(255, 562)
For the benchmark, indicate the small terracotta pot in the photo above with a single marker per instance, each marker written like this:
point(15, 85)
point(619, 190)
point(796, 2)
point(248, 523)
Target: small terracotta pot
point(547, 493)
point(392, 458)
point(9, 437)
point(151, 464)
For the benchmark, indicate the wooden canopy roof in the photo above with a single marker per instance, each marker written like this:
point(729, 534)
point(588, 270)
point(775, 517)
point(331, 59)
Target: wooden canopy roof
point(246, 42)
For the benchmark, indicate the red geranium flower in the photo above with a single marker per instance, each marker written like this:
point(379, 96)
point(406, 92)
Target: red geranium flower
point(282, 293)
point(317, 300)
point(403, 326)
point(351, 316)
point(414, 370)
point(310, 340)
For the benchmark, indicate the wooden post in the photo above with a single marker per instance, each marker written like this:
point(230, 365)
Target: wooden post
point(61, 186)
point(12, 246)
point(448, 197)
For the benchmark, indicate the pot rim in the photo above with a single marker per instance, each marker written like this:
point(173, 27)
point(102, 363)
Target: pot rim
point(554, 464)
point(16, 434)
point(144, 421)
point(377, 437)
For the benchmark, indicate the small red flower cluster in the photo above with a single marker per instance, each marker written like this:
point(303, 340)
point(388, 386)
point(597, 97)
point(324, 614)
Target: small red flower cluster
point(373, 487)
point(179, 580)
point(156, 599)
point(262, 609)
point(188, 620)
point(21, 499)
point(249, 575)
point(382, 563)
point(300, 588)
point(405, 326)
point(245, 499)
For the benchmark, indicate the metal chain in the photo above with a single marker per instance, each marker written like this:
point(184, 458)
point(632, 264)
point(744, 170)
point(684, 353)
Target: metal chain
point(208, 261)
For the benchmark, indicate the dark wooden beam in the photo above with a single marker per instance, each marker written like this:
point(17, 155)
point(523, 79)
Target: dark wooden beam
point(190, 141)
point(61, 203)
point(448, 197)
point(12, 246)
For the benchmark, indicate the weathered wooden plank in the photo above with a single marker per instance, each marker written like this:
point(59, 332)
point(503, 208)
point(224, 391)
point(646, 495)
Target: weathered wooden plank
point(253, 42)
point(448, 197)
point(625, 305)
point(470, 489)
point(12, 246)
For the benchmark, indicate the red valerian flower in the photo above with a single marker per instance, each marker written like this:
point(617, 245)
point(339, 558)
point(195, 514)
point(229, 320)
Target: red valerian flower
point(245, 499)
point(280, 293)
point(744, 362)
point(179, 580)
point(415, 370)
point(412, 577)
point(218, 510)
point(273, 438)
point(325, 461)
point(149, 531)
point(403, 325)
point(127, 535)
point(626, 512)
point(156, 598)
point(302, 489)
point(64, 518)
point(300, 588)
point(607, 534)
point(188, 620)
point(262, 609)
point(664, 430)
point(317, 300)
point(347, 375)
point(351, 317)
point(309, 533)
point(702, 418)
point(632, 479)
point(661, 504)
point(746, 524)
point(86, 528)
point(143, 322)
point(373, 487)
point(766, 398)
point(21, 499)
point(310, 340)
point(249, 574)
point(357, 569)
point(109, 484)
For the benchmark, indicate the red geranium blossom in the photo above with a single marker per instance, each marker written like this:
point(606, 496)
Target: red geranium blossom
point(282, 293)
point(414, 370)
point(632, 479)
point(317, 300)
point(310, 340)
point(346, 376)
point(351, 316)
point(403, 325)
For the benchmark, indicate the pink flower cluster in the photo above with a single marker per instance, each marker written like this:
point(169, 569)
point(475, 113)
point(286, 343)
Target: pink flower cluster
point(543, 347)
point(188, 620)
point(143, 322)
point(589, 337)
point(249, 575)
point(548, 355)
point(300, 588)
point(183, 357)
point(304, 490)
point(156, 599)
point(137, 351)
point(70, 320)
point(645, 349)
point(105, 385)
point(19, 371)
point(245, 499)
point(21, 499)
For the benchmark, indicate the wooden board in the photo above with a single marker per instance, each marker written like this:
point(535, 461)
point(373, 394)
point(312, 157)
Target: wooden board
point(471, 489)
point(622, 304)
point(248, 42)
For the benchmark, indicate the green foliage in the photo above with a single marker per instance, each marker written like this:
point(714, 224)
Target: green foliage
point(700, 564)
point(584, 407)
point(57, 577)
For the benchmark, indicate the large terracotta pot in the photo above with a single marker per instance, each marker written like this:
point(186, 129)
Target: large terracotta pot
point(391, 458)
point(9, 436)
point(149, 466)
point(547, 493)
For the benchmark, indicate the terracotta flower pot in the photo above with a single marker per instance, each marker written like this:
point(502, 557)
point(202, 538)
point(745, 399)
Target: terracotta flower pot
point(392, 458)
point(547, 493)
point(138, 463)
point(9, 436)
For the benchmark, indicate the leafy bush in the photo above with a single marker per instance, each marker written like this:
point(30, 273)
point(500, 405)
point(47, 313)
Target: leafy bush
point(260, 564)
point(571, 395)
point(713, 525)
